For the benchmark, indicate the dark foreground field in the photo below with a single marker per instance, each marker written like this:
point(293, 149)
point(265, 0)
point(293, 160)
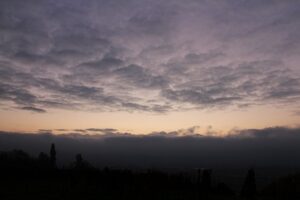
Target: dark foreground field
point(24, 177)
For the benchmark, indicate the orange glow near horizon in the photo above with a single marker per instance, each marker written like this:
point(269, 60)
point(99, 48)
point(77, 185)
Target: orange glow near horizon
point(143, 123)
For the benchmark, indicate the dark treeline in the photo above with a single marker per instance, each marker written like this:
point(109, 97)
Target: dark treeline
point(26, 177)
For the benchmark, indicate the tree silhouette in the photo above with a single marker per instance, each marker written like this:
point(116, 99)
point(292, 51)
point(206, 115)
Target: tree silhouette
point(79, 161)
point(249, 187)
point(206, 179)
point(53, 155)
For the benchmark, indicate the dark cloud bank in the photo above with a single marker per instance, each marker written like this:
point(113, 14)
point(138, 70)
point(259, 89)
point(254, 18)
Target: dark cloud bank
point(270, 147)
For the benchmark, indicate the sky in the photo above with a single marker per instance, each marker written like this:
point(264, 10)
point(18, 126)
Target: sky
point(149, 66)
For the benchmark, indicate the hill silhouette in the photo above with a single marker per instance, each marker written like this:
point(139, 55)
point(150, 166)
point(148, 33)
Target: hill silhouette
point(24, 176)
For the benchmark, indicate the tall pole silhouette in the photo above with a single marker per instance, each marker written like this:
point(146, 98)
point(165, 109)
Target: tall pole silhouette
point(53, 155)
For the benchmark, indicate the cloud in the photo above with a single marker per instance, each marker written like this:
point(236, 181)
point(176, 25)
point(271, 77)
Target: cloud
point(241, 148)
point(195, 55)
point(140, 77)
point(17, 95)
point(271, 132)
point(192, 131)
point(297, 112)
point(47, 131)
point(247, 83)
point(102, 130)
point(61, 130)
point(100, 66)
point(33, 109)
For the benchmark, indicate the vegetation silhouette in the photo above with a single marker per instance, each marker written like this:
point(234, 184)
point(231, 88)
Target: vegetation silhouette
point(26, 177)
point(81, 164)
point(249, 187)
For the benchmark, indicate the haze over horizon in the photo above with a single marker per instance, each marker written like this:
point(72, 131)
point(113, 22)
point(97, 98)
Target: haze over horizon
point(144, 67)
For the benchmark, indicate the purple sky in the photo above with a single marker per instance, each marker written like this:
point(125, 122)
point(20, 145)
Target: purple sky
point(132, 64)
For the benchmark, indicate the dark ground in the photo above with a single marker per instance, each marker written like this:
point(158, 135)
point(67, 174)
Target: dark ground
point(25, 177)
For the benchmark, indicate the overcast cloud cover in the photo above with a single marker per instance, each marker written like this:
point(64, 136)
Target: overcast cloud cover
point(145, 55)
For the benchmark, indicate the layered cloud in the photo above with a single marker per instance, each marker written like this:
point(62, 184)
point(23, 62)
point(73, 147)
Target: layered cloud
point(186, 148)
point(148, 56)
